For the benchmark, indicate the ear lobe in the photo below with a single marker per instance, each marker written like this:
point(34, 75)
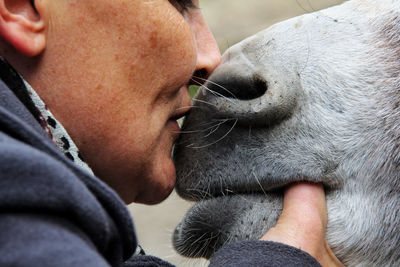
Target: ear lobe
point(22, 26)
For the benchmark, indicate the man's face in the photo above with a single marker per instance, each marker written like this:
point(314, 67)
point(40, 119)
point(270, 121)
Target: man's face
point(114, 73)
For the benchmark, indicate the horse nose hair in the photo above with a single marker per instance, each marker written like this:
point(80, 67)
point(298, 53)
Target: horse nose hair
point(239, 87)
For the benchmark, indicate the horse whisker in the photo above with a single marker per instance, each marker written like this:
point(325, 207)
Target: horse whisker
point(236, 120)
point(215, 129)
point(214, 83)
point(205, 102)
point(214, 93)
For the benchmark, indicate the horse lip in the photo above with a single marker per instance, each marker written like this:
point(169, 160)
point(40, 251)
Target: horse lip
point(192, 195)
point(198, 228)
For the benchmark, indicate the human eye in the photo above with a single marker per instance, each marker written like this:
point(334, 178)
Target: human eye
point(183, 5)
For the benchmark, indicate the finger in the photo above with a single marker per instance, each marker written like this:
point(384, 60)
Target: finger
point(302, 223)
point(304, 204)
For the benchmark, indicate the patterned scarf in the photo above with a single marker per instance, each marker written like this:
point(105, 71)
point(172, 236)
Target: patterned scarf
point(56, 131)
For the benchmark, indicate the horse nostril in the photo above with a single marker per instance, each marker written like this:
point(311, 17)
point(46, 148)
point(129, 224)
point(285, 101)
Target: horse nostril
point(249, 96)
point(241, 88)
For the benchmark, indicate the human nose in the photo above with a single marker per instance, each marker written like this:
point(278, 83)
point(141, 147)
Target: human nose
point(208, 54)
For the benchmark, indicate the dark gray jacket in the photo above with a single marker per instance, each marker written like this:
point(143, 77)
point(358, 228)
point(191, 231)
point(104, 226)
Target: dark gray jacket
point(55, 214)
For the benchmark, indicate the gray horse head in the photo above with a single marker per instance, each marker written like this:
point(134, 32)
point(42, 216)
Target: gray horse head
point(315, 98)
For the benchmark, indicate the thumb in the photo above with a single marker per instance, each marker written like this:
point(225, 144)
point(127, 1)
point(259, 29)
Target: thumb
point(302, 223)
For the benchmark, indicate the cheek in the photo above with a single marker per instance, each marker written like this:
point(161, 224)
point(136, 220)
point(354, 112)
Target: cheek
point(176, 51)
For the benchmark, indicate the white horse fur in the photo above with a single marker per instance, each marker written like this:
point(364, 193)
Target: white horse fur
point(313, 98)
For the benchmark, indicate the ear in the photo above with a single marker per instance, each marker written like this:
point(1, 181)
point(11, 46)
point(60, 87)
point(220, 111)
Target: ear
point(22, 26)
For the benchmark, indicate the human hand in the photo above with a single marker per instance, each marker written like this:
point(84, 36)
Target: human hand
point(302, 223)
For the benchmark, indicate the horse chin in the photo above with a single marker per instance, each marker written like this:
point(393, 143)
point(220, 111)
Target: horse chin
point(201, 233)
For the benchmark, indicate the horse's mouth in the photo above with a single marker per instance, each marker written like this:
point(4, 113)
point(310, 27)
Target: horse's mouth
point(214, 222)
point(225, 216)
point(253, 187)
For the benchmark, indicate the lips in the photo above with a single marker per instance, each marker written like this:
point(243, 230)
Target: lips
point(172, 122)
point(180, 113)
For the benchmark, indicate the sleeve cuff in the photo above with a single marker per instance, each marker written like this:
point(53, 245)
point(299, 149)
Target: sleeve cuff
point(262, 253)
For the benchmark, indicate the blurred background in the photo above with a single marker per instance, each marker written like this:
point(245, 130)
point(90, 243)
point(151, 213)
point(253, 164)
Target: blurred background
point(230, 21)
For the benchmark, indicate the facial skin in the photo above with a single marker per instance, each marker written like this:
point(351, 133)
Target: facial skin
point(115, 74)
